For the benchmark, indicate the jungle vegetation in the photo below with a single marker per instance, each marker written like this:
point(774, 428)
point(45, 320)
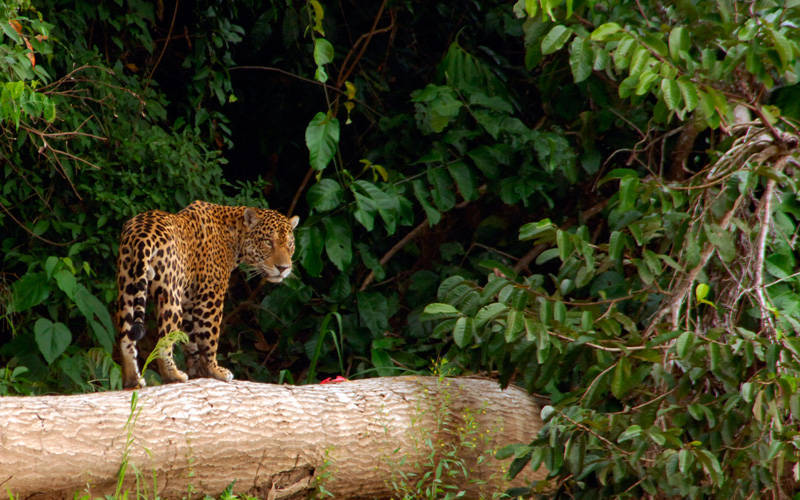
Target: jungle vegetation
point(595, 200)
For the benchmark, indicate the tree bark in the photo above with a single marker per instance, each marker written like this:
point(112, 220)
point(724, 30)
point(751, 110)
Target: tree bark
point(354, 439)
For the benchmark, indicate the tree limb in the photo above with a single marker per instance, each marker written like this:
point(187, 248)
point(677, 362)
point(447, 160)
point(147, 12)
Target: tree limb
point(353, 438)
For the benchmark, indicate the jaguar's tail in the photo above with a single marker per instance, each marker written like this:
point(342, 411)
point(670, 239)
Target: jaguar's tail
point(133, 277)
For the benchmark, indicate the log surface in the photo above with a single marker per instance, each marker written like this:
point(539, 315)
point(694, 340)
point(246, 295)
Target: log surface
point(276, 441)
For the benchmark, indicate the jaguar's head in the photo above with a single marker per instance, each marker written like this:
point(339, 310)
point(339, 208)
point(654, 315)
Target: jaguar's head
point(268, 243)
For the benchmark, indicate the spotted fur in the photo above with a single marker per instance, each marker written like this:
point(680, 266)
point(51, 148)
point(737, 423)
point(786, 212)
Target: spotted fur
point(183, 262)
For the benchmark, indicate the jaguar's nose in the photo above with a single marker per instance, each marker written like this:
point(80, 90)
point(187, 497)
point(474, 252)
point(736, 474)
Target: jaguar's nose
point(281, 269)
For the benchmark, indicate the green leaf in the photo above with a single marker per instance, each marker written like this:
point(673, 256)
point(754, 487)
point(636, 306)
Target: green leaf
point(382, 361)
point(465, 179)
point(723, 240)
point(489, 312)
point(97, 316)
point(374, 311)
point(440, 308)
point(688, 92)
point(420, 191)
point(325, 195)
point(436, 106)
point(533, 229)
point(323, 51)
point(711, 466)
point(515, 323)
point(604, 31)
point(628, 187)
point(685, 461)
point(442, 192)
point(640, 61)
point(684, 344)
point(748, 30)
point(646, 80)
point(616, 245)
point(310, 242)
point(701, 291)
point(322, 140)
point(678, 42)
point(365, 211)
point(581, 58)
point(632, 432)
point(564, 243)
point(782, 46)
point(338, 241)
point(29, 291)
point(622, 53)
point(621, 383)
point(748, 392)
point(555, 39)
point(462, 331)
point(66, 282)
point(671, 94)
point(52, 338)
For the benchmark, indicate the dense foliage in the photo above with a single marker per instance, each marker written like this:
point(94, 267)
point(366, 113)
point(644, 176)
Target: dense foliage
point(594, 200)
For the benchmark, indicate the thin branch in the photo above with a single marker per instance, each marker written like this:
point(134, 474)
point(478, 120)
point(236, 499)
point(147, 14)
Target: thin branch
point(299, 191)
point(682, 290)
point(307, 80)
point(758, 281)
point(395, 248)
point(345, 73)
point(23, 226)
point(163, 47)
point(407, 238)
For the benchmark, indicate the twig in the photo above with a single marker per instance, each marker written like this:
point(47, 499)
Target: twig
point(163, 47)
point(299, 191)
point(68, 76)
point(410, 236)
point(685, 286)
point(66, 135)
point(289, 74)
point(594, 381)
point(307, 80)
point(23, 226)
point(766, 221)
point(598, 436)
point(395, 248)
point(345, 73)
point(601, 347)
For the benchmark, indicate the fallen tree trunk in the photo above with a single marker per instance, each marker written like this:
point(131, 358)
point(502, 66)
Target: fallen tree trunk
point(361, 439)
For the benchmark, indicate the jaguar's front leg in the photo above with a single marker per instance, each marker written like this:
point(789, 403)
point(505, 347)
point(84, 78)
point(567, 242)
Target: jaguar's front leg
point(201, 352)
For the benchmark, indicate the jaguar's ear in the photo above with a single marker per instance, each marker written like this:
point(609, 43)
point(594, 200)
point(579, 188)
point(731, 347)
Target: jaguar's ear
point(294, 221)
point(251, 217)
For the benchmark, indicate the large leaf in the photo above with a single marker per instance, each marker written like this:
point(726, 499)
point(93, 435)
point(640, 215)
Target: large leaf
point(621, 383)
point(52, 338)
point(604, 31)
point(66, 282)
point(310, 242)
point(325, 195)
point(97, 316)
point(29, 291)
point(436, 106)
point(322, 140)
point(555, 39)
point(323, 54)
point(462, 331)
point(338, 241)
point(581, 59)
point(671, 94)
